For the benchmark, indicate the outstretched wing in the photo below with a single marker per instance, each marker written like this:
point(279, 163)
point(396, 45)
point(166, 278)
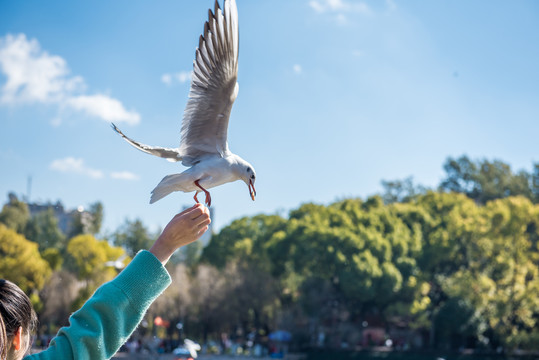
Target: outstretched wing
point(167, 153)
point(213, 87)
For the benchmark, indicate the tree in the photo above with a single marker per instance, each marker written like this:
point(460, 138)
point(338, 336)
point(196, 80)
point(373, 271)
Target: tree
point(88, 258)
point(209, 288)
point(86, 222)
point(58, 295)
point(133, 236)
point(188, 255)
point(400, 190)
point(21, 262)
point(535, 183)
point(43, 229)
point(54, 258)
point(97, 213)
point(254, 296)
point(242, 252)
point(479, 263)
point(460, 263)
point(448, 223)
point(484, 180)
point(246, 238)
point(176, 303)
point(358, 257)
point(15, 214)
point(501, 281)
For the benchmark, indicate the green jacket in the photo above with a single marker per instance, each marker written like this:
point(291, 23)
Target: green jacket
point(105, 322)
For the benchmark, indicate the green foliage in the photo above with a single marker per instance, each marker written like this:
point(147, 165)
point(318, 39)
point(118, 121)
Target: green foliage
point(15, 214)
point(245, 238)
point(89, 257)
point(54, 258)
point(503, 268)
point(485, 180)
point(43, 229)
point(440, 261)
point(365, 249)
point(456, 316)
point(87, 222)
point(401, 190)
point(97, 213)
point(535, 182)
point(21, 262)
point(188, 255)
point(133, 236)
point(459, 264)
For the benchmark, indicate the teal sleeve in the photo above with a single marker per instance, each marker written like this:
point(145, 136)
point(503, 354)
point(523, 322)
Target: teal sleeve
point(105, 322)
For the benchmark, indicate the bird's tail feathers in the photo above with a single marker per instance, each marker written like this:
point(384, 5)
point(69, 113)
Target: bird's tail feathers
point(169, 184)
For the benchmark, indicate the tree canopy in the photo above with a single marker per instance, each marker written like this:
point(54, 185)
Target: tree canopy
point(133, 236)
point(21, 262)
point(457, 264)
point(487, 180)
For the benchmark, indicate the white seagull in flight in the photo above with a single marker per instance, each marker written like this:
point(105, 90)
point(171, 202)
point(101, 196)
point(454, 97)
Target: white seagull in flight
point(203, 144)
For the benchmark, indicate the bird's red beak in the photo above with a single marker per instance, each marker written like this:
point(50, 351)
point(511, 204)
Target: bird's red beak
point(252, 190)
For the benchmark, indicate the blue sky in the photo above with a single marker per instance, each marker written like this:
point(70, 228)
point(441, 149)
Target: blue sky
point(335, 95)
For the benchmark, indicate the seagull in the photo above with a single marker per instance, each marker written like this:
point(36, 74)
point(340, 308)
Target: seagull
point(203, 136)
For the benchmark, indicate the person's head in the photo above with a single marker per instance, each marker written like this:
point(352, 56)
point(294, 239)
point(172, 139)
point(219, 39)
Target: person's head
point(19, 321)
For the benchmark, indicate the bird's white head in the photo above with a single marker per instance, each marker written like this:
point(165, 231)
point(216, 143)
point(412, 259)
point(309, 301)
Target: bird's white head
point(246, 172)
point(251, 182)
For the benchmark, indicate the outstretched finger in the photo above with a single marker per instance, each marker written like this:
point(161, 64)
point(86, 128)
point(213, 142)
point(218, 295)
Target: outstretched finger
point(190, 213)
point(188, 209)
point(199, 211)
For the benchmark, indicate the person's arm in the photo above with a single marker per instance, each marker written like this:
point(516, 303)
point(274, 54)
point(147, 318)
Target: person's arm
point(109, 317)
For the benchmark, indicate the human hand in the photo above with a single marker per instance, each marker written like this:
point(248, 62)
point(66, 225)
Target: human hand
point(183, 229)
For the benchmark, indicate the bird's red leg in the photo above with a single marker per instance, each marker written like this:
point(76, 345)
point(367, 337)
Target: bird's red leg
point(208, 196)
point(195, 197)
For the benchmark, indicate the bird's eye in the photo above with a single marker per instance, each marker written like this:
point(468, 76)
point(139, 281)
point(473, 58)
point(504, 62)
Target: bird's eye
point(252, 177)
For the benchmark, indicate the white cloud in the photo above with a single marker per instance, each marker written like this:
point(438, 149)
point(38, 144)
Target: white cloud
point(298, 69)
point(104, 107)
point(340, 6)
point(180, 77)
point(32, 74)
point(124, 175)
point(35, 76)
point(336, 4)
point(319, 8)
point(76, 166)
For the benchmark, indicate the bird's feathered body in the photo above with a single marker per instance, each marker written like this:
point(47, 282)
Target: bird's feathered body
point(212, 172)
point(214, 88)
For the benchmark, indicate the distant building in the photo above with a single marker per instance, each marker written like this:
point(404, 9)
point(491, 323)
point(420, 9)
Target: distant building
point(66, 218)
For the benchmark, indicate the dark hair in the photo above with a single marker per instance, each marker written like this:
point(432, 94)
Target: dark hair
point(3, 339)
point(16, 311)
